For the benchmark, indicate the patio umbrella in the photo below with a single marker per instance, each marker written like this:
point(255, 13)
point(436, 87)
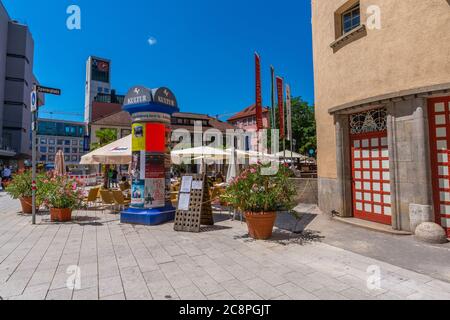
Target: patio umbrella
point(60, 166)
point(116, 153)
point(233, 168)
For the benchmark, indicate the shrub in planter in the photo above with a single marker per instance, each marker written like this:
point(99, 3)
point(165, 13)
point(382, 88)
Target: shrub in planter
point(260, 196)
point(21, 188)
point(62, 197)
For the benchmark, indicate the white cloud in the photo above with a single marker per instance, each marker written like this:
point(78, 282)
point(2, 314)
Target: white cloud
point(152, 41)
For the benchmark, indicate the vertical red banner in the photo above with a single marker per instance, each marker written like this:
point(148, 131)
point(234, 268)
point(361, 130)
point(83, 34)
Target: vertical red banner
point(259, 111)
point(281, 106)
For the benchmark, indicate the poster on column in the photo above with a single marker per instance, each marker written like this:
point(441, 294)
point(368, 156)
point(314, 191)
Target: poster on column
point(138, 137)
point(155, 166)
point(155, 196)
point(138, 165)
point(138, 194)
point(168, 168)
point(155, 137)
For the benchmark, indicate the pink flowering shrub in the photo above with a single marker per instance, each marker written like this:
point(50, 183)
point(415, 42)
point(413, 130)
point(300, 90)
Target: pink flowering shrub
point(62, 192)
point(257, 193)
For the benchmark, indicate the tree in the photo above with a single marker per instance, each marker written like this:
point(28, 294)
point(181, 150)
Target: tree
point(105, 137)
point(303, 127)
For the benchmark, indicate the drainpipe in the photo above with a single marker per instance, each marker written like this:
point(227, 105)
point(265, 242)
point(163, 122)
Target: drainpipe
point(340, 167)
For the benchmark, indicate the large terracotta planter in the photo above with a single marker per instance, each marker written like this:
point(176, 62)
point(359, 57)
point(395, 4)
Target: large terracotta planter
point(260, 225)
point(27, 205)
point(60, 215)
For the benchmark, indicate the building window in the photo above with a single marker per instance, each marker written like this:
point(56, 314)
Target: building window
point(67, 150)
point(43, 141)
point(66, 158)
point(51, 150)
point(43, 149)
point(51, 142)
point(74, 158)
point(125, 132)
point(351, 19)
point(67, 142)
point(43, 157)
point(75, 150)
point(60, 142)
point(74, 142)
point(51, 158)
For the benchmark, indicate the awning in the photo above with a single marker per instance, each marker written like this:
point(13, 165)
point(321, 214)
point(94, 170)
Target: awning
point(116, 153)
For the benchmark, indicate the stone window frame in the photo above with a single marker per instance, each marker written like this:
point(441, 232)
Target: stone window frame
point(341, 38)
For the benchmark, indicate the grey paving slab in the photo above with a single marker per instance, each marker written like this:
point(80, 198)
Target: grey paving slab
point(118, 262)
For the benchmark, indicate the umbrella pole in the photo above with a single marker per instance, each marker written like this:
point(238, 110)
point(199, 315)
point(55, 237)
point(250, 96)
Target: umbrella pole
point(106, 178)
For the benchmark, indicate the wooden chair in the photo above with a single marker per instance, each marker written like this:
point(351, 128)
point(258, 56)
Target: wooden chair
point(124, 186)
point(120, 200)
point(174, 198)
point(92, 197)
point(107, 199)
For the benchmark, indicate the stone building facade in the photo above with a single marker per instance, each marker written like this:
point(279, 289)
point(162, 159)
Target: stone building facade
point(382, 88)
point(16, 83)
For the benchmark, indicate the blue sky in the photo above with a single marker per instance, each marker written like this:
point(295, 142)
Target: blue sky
point(203, 51)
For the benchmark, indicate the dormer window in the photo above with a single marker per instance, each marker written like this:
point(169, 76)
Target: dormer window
point(351, 19)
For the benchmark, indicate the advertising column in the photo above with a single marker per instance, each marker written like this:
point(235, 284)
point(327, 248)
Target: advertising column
point(149, 160)
point(151, 112)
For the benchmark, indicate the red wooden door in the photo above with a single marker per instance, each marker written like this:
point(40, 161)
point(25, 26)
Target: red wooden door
point(371, 177)
point(439, 123)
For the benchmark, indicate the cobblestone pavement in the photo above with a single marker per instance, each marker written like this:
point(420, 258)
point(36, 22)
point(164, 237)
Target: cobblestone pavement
point(118, 261)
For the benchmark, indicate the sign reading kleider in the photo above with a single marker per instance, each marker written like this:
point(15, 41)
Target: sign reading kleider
point(165, 96)
point(138, 95)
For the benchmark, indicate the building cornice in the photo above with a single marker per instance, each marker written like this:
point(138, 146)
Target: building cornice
point(421, 92)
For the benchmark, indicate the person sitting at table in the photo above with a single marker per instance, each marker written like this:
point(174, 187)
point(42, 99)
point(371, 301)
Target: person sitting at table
point(219, 178)
point(125, 184)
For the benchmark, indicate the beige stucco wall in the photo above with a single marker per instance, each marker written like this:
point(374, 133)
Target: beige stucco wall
point(411, 50)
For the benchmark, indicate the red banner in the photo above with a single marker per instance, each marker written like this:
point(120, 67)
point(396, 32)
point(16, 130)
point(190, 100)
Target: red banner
point(259, 111)
point(281, 106)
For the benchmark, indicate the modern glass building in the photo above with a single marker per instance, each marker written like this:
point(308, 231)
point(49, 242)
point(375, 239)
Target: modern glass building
point(54, 135)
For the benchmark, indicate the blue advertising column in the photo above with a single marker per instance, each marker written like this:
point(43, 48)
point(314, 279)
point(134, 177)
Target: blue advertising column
point(151, 111)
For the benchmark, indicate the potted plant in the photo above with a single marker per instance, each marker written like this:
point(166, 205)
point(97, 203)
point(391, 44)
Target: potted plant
point(21, 188)
point(260, 197)
point(62, 197)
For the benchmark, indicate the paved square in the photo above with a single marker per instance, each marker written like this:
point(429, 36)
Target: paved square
point(112, 261)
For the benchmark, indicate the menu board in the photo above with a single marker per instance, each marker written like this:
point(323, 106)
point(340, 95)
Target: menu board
point(197, 185)
point(184, 202)
point(186, 184)
point(194, 205)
